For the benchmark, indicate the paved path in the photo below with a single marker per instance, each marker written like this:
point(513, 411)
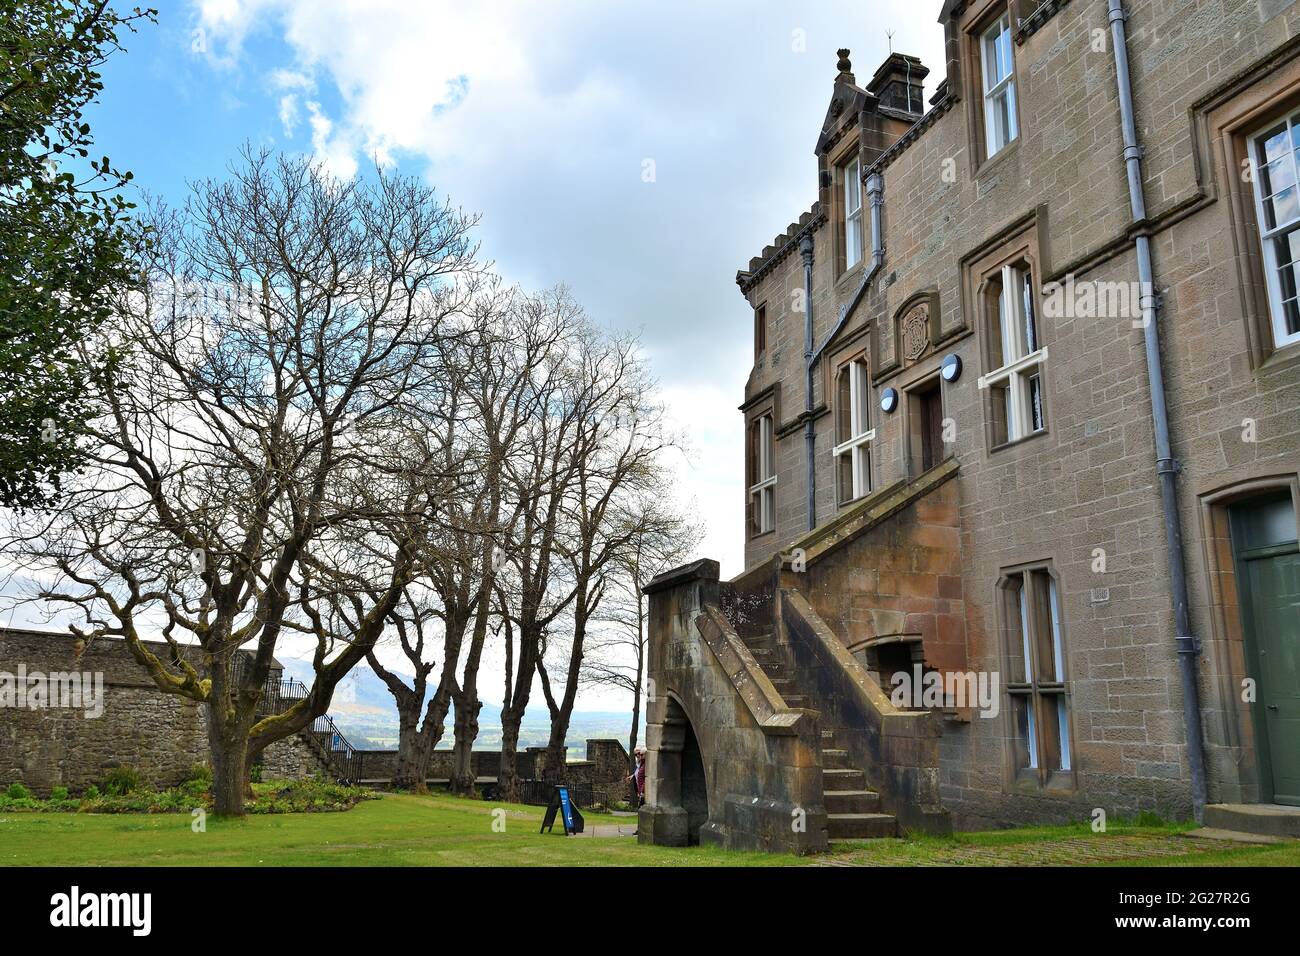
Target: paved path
point(609, 830)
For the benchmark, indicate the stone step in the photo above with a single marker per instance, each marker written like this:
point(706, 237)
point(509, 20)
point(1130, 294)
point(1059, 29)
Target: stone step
point(1231, 836)
point(795, 700)
point(851, 801)
point(835, 759)
point(845, 779)
point(860, 826)
point(1265, 819)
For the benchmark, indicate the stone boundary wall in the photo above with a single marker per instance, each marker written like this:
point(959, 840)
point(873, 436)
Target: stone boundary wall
point(164, 736)
point(605, 768)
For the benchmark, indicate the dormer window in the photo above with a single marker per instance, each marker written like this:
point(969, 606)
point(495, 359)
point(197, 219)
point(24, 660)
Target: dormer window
point(851, 176)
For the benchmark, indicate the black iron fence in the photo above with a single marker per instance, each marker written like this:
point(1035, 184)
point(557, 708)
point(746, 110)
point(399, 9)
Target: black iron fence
point(582, 795)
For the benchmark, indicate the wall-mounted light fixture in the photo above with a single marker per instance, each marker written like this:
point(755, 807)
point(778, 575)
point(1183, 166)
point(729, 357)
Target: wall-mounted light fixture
point(889, 400)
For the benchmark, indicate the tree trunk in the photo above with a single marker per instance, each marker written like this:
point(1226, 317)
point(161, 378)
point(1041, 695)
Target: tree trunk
point(230, 714)
point(466, 699)
point(556, 751)
point(431, 731)
point(231, 781)
point(636, 730)
point(408, 774)
point(562, 711)
point(466, 731)
point(640, 679)
point(631, 743)
point(508, 789)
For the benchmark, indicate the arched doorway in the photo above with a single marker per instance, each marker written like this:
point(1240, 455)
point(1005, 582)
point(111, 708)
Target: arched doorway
point(695, 792)
point(682, 791)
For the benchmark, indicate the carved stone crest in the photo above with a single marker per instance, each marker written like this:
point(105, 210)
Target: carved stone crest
point(915, 331)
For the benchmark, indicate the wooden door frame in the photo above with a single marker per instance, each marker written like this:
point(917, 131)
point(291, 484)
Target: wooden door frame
point(1226, 645)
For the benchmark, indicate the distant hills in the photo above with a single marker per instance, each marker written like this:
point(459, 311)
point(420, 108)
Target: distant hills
point(364, 709)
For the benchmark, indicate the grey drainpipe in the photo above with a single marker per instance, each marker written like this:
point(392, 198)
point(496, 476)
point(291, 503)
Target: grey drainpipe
point(876, 193)
point(809, 433)
point(1166, 467)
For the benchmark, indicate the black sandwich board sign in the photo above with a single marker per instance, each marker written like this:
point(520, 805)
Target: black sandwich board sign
point(570, 816)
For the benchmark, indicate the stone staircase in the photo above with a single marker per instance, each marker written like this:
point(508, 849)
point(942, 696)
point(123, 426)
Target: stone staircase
point(852, 810)
point(323, 737)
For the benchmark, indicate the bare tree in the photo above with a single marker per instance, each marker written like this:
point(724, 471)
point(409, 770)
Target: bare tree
point(539, 478)
point(411, 622)
point(268, 454)
point(616, 656)
point(506, 402)
point(618, 441)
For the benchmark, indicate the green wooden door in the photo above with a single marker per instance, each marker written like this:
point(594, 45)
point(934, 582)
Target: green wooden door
point(1269, 569)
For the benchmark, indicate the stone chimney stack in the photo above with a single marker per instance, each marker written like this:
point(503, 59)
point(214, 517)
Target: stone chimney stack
point(898, 84)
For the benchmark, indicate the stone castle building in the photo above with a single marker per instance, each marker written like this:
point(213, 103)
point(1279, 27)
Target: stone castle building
point(1024, 414)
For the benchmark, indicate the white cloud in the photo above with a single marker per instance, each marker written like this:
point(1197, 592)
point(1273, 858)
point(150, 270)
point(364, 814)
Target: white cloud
point(288, 114)
point(282, 79)
point(540, 115)
point(336, 152)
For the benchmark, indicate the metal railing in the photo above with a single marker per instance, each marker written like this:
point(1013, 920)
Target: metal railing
point(583, 795)
point(279, 694)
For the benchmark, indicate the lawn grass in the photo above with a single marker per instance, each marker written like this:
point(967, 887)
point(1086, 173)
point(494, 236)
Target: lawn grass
point(1281, 854)
point(397, 830)
point(440, 830)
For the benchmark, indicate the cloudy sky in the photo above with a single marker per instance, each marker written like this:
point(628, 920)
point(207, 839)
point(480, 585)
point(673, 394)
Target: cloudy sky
point(548, 118)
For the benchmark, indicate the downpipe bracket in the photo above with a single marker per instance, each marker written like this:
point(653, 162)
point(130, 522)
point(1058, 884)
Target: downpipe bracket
point(1189, 645)
point(1155, 301)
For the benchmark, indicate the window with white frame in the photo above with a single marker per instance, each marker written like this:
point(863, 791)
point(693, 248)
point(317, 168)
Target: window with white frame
point(1036, 685)
point(853, 432)
point(1016, 385)
point(1277, 196)
point(852, 213)
point(762, 476)
point(999, 86)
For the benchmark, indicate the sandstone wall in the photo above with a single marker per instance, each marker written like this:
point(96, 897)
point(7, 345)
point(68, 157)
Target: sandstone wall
point(1088, 481)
